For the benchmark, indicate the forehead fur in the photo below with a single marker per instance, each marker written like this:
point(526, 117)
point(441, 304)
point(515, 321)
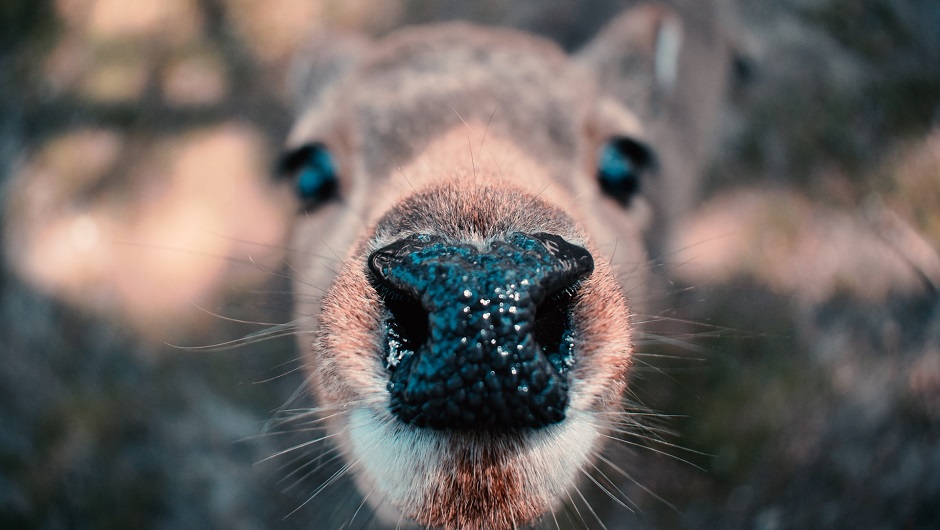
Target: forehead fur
point(420, 83)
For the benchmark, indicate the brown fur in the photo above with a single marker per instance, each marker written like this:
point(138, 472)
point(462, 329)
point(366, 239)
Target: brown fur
point(470, 134)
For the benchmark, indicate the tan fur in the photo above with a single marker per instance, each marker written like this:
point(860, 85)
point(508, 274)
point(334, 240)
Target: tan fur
point(470, 134)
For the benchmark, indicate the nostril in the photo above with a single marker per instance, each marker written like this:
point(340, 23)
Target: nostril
point(553, 329)
point(407, 325)
point(552, 325)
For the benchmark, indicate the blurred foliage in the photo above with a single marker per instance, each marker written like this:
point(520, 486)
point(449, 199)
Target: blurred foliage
point(24, 20)
point(838, 85)
point(891, 36)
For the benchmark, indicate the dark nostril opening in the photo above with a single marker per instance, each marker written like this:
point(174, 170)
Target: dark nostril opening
point(408, 323)
point(552, 328)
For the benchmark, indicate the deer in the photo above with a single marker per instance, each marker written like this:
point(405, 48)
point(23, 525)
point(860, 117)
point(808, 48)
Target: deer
point(492, 204)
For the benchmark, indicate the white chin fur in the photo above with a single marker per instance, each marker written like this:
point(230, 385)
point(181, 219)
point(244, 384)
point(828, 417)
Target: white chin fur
point(398, 464)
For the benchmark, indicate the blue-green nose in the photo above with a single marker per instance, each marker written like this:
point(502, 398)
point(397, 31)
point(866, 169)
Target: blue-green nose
point(479, 337)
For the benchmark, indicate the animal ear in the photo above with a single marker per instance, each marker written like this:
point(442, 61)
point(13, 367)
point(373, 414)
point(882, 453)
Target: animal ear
point(669, 68)
point(322, 66)
point(636, 57)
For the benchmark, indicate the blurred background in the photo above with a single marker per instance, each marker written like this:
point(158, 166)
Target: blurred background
point(141, 227)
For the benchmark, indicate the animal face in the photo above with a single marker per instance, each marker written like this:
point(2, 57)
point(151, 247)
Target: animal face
point(485, 192)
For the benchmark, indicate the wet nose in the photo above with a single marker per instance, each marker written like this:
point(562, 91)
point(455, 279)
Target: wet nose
point(479, 336)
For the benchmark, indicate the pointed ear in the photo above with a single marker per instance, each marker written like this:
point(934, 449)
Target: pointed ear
point(669, 68)
point(636, 57)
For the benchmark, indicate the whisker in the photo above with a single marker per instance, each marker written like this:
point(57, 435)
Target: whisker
point(284, 276)
point(589, 507)
point(629, 477)
point(332, 251)
point(651, 433)
point(554, 518)
point(685, 345)
point(658, 451)
point(467, 125)
point(613, 497)
point(361, 504)
point(638, 359)
point(605, 490)
point(254, 338)
point(293, 370)
point(318, 419)
point(499, 168)
point(613, 253)
point(402, 173)
point(701, 324)
point(624, 414)
point(186, 251)
point(336, 476)
point(276, 416)
point(473, 163)
point(486, 128)
point(230, 319)
point(575, 507)
point(314, 465)
point(308, 416)
point(296, 447)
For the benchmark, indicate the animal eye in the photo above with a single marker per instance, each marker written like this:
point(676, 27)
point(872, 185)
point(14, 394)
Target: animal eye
point(621, 164)
point(313, 171)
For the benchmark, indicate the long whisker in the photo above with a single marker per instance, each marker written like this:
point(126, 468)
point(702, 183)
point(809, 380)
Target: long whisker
point(361, 504)
point(605, 490)
point(658, 451)
point(629, 477)
point(575, 506)
point(278, 331)
point(315, 465)
point(589, 507)
point(299, 367)
point(298, 446)
point(486, 128)
point(554, 518)
point(336, 476)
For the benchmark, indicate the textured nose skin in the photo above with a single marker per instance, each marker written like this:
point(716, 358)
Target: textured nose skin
point(479, 337)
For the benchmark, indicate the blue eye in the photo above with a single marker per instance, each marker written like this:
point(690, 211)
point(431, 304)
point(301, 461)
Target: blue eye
point(621, 163)
point(313, 170)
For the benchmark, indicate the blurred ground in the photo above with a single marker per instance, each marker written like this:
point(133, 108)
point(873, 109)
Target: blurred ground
point(135, 142)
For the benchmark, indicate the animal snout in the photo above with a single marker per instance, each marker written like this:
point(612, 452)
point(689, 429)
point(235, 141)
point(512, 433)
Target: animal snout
point(479, 336)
